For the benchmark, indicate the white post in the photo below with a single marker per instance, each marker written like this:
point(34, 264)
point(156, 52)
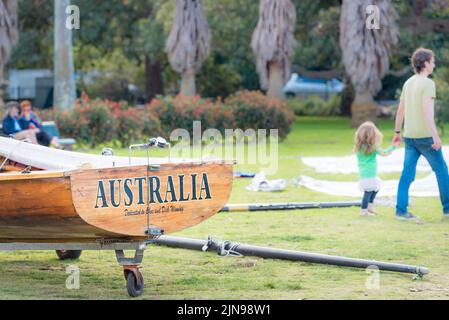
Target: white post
point(64, 71)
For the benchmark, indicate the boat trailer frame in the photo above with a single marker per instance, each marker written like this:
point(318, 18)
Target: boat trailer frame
point(134, 279)
point(131, 265)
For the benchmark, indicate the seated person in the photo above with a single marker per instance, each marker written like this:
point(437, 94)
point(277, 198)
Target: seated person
point(29, 120)
point(11, 125)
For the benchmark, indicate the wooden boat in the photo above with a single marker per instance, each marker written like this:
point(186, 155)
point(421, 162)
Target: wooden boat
point(50, 195)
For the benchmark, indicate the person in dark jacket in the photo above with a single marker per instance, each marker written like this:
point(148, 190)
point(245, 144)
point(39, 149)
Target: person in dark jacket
point(12, 127)
point(29, 120)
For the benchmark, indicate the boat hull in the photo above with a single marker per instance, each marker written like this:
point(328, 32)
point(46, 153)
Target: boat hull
point(110, 204)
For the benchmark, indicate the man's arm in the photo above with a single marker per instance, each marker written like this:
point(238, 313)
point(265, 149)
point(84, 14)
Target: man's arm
point(399, 122)
point(428, 104)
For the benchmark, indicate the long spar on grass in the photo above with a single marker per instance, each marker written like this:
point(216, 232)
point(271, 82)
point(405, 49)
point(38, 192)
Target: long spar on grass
point(226, 248)
point(288, 206)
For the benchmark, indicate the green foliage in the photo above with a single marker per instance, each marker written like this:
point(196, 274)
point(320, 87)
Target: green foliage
point(318, 40)
point(315, 106)
point(35, 46)
point(218, 79)
point(117, 72)
point(409, 42)
point(232, 23)
point(180, 112)
point(95, 122)
point(442, 102)
point(243, 110)
point(254, 110)
point(151, 38)
point(138, 28)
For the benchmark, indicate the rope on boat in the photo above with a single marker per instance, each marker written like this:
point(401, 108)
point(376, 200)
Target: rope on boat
point(12, 150)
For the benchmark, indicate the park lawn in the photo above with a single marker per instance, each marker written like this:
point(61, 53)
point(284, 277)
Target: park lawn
point(181, 274)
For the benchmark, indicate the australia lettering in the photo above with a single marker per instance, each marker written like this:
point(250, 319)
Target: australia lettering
point(139, 191)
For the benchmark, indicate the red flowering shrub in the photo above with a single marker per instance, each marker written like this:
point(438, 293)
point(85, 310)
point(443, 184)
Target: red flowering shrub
point(254, 110)
point(181, 111)
point(98, 121)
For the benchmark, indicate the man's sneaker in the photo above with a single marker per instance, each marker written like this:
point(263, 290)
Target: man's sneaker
point(364, 212)
point(406, 217)
point(446, 215)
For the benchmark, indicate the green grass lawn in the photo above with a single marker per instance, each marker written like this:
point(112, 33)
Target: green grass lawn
point(182, 274)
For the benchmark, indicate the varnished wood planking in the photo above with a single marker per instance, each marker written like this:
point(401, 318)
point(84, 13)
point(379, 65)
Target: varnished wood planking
point(39, 207)
point(85, 189)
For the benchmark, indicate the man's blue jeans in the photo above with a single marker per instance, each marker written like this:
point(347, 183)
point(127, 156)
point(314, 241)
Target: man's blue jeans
point(414, 148)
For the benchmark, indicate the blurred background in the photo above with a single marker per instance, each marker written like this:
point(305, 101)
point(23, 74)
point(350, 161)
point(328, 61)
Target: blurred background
point(315, 55)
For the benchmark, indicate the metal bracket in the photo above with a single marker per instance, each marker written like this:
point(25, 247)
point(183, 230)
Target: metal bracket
point(153, 142)
point(136, 261)
point(94, 246)
point(154, 167)
point(154, 232)
point(133, 269)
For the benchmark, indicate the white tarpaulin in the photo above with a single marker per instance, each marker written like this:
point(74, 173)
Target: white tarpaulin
point(261, 183)
point(348, 164)
point(425, 187)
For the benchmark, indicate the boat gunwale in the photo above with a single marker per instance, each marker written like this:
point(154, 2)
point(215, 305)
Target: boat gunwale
point(45, 174)
point(15, 176)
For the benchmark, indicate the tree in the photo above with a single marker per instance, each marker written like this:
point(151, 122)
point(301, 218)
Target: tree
point(151, 42)
point(366, 52)
point(35, 46)
point(273, 44)
point(188, 45)
point(64, 70)
point(9, 35)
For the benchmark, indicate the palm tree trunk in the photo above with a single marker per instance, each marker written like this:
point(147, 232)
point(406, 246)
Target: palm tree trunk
point(65, 87)
point(275, 80)
point(188, 87)
point(363, 109)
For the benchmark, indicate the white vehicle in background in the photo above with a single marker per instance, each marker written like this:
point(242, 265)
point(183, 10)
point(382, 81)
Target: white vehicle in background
point(306, 86)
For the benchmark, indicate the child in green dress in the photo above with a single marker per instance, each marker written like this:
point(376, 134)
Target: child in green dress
point(367, 146)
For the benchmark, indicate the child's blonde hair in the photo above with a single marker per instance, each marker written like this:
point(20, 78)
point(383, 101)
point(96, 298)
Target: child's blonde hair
point(367, 137)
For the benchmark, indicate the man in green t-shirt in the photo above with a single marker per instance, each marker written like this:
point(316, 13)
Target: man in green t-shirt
point(416, 111)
